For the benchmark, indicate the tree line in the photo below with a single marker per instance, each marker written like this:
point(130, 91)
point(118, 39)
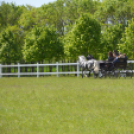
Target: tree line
point(65, 29)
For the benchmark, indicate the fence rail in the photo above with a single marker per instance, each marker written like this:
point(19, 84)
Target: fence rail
point(37, 73)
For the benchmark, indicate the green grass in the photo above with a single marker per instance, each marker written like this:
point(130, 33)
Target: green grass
point(66, 105)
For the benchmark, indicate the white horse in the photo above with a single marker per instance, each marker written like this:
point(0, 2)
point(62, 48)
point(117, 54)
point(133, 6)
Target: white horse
point(91, 64)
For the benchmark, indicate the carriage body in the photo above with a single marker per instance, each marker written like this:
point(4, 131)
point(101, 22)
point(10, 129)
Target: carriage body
point(118, 69)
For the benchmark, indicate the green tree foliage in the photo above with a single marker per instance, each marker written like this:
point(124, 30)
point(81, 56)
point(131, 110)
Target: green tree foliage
point(55, 14)
point(63, 13)
point(42, 43)
point(127, 41)
point(65, 16)
point(87, 6)
point(29, 19)
point(130, 5)
point(84, 37)
point(114, 12)
point(9, 14)
point(10, 45)
point(110, 39)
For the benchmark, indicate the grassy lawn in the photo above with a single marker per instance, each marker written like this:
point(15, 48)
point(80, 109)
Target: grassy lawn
point(66, 105)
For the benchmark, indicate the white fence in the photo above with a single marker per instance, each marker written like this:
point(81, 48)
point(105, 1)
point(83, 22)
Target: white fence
point(57, 65)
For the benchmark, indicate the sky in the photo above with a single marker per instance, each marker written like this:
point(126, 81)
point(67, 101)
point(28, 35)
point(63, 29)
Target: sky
point(35, 3)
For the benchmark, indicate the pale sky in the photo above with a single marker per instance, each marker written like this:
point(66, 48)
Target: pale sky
point(35, 3)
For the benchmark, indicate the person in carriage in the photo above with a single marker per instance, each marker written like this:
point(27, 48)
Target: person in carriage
point(114, 58)
point(118, 55)
point(110, 57)
point(89, 57)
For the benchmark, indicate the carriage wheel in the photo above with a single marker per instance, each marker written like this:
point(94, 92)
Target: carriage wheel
point(108, 74)
point(117, 75)
point(111, 73)
point(105, 74)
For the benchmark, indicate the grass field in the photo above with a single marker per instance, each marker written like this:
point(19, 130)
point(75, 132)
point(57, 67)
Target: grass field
point(66, 105)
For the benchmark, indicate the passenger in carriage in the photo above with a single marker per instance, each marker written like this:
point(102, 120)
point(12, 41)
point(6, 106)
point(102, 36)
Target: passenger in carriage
point(125, 55)
point(114, 60)
point(115, 52)
point(116, 56)
point(110, 60)
point(122, 56)
point(110, 56)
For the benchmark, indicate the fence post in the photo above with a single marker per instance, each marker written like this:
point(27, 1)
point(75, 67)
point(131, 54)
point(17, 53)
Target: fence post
point(0, 70)
point(37, 70)
point(77, 69)
point(18, 70)
point(57, 68)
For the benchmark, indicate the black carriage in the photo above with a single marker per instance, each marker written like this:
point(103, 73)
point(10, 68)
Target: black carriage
point(118, 69)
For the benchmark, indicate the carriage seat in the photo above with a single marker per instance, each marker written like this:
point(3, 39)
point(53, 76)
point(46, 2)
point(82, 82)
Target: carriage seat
point(121, 64)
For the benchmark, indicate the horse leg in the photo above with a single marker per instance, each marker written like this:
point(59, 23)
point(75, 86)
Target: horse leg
point(85, 73)
point(89, 74)
point(82, 73)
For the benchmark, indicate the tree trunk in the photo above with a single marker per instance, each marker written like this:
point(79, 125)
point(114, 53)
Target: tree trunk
point(71, 67)
point(8, 69)
point(75, 67)
point(21, 69)
point(68, 67)
point(26, 68)
point(42, 69)
point(63, 68)
point(32, 67)
point(15, 67)
point(50, 67)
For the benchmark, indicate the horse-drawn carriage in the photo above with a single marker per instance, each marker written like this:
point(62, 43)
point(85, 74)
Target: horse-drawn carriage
point(104, 68)
point(118, 69)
